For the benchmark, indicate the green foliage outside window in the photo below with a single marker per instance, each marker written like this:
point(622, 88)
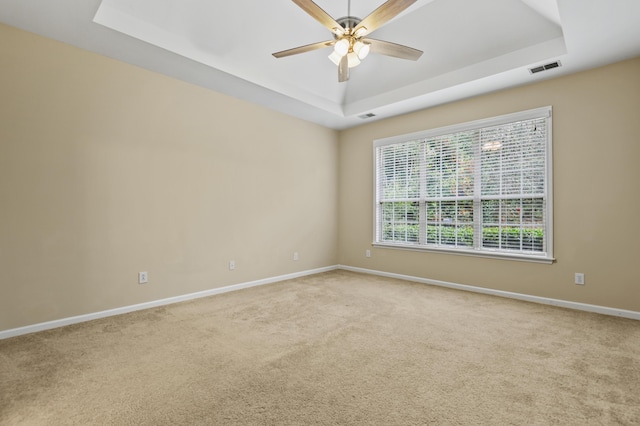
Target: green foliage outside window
point(508, 238)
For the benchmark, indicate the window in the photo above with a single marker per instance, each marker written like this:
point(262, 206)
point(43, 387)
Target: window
point(476, 188)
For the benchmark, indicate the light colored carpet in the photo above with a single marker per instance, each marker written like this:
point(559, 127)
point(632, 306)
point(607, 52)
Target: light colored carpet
point(337, 348)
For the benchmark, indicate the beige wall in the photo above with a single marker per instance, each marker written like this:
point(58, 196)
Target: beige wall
point(107, 169)
point(596, 146)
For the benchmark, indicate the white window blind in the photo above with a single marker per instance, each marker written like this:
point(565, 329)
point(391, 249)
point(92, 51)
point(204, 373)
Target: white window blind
point(476, 188)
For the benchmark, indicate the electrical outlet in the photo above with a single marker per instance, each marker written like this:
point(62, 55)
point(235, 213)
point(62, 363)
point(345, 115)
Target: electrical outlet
point(367, 253)
point(143, 277)
point(579, 278)
point(295, 255)
point(232, 265)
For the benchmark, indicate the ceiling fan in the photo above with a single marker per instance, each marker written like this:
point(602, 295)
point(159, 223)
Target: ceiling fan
point(350, 45)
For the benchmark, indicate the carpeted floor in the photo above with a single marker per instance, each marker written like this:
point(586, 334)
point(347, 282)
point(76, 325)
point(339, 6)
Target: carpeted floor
point(337, 348)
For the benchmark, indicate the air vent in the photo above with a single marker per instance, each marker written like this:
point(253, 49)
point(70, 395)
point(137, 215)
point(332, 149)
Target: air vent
point(367, 115)
point(541, 68)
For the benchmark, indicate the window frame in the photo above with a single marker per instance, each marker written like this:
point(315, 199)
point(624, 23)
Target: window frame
point(537, 113)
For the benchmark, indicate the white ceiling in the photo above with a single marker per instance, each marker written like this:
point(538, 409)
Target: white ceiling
point(470, 47)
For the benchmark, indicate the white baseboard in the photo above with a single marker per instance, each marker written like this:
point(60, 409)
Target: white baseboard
point(131, 308)
point(536, 299)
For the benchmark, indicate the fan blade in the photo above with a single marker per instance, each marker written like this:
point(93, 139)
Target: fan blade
point(381, 15)
point(393, 49)
point(321, 16)
point(343, 69)
point(303, 49)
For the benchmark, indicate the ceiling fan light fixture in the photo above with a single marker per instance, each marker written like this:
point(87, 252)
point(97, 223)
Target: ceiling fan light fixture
point(361, 49)
point(335, 58)
point(341, 47)
point(353, 59)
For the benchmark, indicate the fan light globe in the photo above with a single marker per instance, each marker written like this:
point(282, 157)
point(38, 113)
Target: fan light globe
point(335, 58)
point(341, 47)
point(353, 59)
point(361, 49)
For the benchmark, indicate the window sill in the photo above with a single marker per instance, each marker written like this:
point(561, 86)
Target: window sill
point(475, 253)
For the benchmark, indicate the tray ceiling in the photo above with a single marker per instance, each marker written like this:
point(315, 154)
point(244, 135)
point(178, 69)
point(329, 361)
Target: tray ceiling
point(470, 47)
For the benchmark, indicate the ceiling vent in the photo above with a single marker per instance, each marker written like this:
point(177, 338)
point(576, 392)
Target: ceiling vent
point(546, 67)
point(367, 115)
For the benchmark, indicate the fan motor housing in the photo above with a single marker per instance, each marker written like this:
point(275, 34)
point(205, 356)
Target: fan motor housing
point(348, 22)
